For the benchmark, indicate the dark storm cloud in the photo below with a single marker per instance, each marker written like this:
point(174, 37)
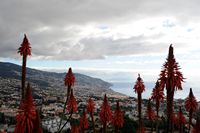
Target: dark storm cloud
point(54, 27)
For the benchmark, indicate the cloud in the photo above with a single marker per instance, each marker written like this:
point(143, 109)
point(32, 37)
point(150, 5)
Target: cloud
point(89, 29)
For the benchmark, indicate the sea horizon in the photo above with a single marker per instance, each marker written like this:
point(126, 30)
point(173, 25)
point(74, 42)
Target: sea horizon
point(127, 89)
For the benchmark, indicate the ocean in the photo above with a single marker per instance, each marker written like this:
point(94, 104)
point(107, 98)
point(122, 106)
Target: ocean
point(127, 88)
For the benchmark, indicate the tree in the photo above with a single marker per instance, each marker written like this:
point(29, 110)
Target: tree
point(170, 78)
point(90, 110)
point(139, 88)
point(26, 114)
point(157, 96)
point(24, 50)
point(105, 113)
point(118, 118)
point(191, 106)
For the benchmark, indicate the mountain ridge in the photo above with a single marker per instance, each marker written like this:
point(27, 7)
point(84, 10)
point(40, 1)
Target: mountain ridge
point(84, 85)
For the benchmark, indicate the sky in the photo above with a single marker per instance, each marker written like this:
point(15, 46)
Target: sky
point(109, 39)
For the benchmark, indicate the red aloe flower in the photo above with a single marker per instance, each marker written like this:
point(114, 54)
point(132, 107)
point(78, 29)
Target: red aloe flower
point(90, 106)
point(196, 128)
point(90, 110)
point(84, 121)
point(72, 104)
point(69, 82)
point(170, 75)
point(3, 131)
point(75, 129)
point(24, 50)
point(150, 112)
point(174, 118)
point(105, 113)
point(26, 114)
point(191, 102)
point(180, 120)
point(191, 106)
point(140, 130)
point(157, 96)
point(139, 88)
point(69, 78)
point(37, 124)
point(171, 78)
point(139, 85)
point(118, 118)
